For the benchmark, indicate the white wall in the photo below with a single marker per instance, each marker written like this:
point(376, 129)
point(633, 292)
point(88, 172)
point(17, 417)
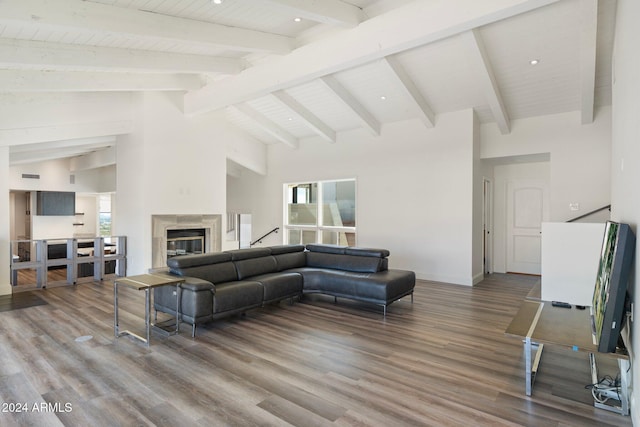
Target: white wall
point(5, 285)
point(414, 191)
point(88, 206)
point(55, 175)
point(37, 117)
point(172, 164)
point(580, 169)
point(51, 227)
point(625, 163)
point(477, 214)
point(570, 259)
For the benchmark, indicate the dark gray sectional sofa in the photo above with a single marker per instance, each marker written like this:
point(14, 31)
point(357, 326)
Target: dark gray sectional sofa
point(225, 283)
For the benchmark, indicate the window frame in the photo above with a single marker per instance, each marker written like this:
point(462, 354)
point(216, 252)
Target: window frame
point(318, 227)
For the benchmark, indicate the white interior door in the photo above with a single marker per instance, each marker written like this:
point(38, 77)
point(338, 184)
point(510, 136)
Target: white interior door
point(527, 208)
point(487, 221)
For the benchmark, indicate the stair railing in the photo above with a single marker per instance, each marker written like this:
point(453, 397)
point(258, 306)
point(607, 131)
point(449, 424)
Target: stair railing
point(590, 213)
point(259, 240)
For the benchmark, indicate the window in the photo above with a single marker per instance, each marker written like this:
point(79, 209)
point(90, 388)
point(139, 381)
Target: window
point(104, 215)
point(321, 212)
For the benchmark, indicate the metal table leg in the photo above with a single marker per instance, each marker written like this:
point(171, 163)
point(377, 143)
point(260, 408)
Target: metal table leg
point(531, 366)
point(115, 309)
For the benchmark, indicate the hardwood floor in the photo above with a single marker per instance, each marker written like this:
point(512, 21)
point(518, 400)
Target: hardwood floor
point(443, 361)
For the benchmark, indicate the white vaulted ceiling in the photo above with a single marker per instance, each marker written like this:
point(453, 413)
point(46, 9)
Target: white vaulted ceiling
point(282, 81)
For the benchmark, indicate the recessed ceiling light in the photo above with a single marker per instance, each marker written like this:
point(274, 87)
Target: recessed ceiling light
point(216, 1)
point(297, 19)
point(290, 119)
point(384, 98)
point(534, 62)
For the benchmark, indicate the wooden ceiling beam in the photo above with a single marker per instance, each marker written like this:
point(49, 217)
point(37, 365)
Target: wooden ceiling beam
point(479, 59)
point(366, 119)
point(268, 126)
point(406, 85)
point(588, 43)
point(97, 18)
point(307, 117)
point(30, 54)
point(73, 81)
point(421, 21)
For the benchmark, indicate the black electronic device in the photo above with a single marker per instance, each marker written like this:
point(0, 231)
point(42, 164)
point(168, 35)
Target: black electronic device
point(62, 203)
point(610, 293)
point(560, 304)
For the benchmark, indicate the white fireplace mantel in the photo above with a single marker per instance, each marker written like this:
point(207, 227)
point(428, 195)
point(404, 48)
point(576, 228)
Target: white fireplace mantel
point(212, 224)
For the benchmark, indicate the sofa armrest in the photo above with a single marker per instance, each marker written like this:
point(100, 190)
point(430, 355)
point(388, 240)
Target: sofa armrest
point(196, 298)
point(194, 284)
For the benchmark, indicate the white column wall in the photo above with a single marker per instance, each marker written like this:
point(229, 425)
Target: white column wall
point(477, 206)
point(172, 164)
point(5, 230)
point(625, 163)
point(414, 191)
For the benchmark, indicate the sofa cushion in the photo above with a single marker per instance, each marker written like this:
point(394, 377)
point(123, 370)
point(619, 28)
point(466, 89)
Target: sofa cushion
point(248, 268)
point(240, 254)
point(378, 253)
point(361, 264)
point(327, 249)
point(185, 261)
point(380, 288)
point(325, 281)
point(279, 286)
point(385, 286)
point(287, 261)
point(237, 296)
point(214, 273)
point(285, 249)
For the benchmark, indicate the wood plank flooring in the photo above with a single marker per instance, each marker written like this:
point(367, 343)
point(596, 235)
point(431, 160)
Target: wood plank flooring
point(442, 361)
point(20, 300)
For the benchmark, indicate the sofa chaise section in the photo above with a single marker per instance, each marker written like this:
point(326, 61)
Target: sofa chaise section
point(355, 273)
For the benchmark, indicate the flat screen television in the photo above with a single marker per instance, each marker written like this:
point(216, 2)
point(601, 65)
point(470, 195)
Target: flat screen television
point(610, 295)
point(56, 203)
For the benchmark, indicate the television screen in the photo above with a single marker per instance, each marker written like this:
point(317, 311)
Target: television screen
point(610, 292)
point(55, 203)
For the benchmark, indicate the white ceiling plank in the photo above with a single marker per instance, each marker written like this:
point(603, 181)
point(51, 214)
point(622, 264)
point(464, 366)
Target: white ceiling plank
point(481, 63)
point(332, 12)
point(70, 81)
point(588, 39)
point(60, 132)
point(97, 18)
point(397, 71)
point(102, 141)
point(422, 22)
point(306, 116)
point(94, 159)
point(51, 154)
point(362, 114)
point(60, 56)
point(268, 126)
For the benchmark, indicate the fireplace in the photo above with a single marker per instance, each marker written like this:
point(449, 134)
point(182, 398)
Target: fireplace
point(177, 234)
point(186, 241)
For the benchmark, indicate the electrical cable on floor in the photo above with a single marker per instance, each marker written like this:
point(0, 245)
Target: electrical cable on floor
point(606, 384)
